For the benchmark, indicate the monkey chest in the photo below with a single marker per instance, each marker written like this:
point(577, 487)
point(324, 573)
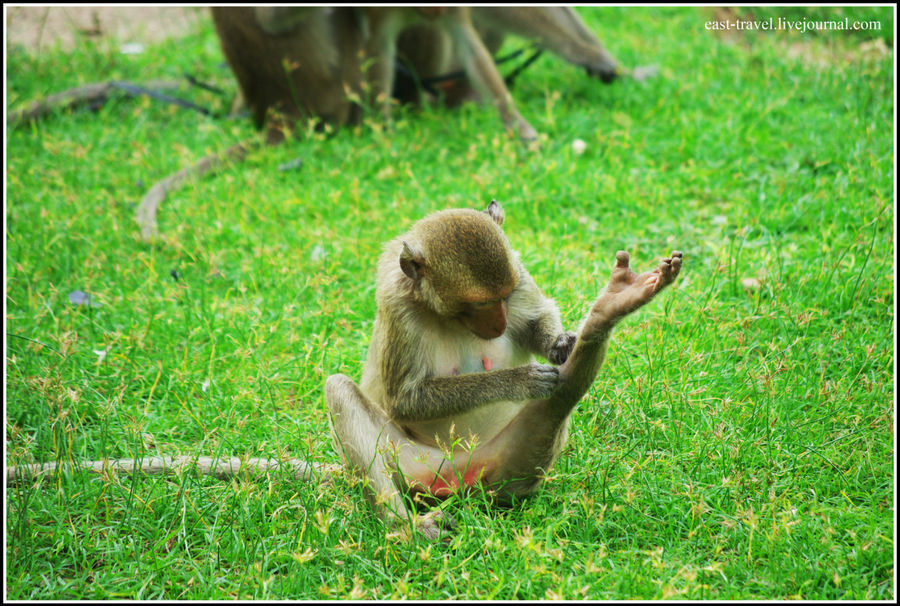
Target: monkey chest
point(471, 357)
point(468, 356)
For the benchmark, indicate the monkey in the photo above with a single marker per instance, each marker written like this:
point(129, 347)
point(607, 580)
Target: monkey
point(436, 41)
point(451, 396)
point(313, 65)
point(451, 36)
point(305, 63)
point(308, 61)
point(427, 50)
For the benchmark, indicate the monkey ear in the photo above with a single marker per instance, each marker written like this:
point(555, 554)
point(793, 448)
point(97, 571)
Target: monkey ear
point(495, 212)
point(412, 264)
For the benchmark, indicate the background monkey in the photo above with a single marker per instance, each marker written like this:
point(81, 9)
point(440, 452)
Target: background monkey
point(302, 62)
point(435, 42)
point(450, 394)
point(450, 41)
point(314, 63)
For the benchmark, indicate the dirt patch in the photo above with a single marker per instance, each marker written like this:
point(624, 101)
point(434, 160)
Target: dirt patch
point(38, 27)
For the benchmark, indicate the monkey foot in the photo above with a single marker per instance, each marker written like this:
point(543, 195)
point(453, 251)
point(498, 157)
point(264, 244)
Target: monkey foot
point(526, 132)
point(627, 291)
point(562, 347)
point(435, 525)
point(606, 72)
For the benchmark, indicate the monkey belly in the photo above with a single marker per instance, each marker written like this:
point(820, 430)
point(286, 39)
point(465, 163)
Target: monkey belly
point(470, 429)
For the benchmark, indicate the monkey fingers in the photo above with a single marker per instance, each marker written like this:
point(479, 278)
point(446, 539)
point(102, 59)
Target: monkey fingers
point(541, 380)
point(561, 349)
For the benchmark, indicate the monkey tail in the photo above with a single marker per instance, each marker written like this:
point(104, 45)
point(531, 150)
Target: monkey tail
point(146, 211)
point(222, 468)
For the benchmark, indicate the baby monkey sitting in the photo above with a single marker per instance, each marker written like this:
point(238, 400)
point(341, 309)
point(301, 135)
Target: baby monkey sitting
point(450, 394)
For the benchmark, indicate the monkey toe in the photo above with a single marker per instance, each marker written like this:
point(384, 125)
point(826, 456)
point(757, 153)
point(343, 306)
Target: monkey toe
point(677, 259)
point(670, 266)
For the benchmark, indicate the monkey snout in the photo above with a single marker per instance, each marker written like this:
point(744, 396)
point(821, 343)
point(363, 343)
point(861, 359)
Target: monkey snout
point(496, 331)
point(496, 325)
point(489, 331)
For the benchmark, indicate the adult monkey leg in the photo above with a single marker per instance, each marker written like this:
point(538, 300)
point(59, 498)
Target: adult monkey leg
point(379, 451)
point(518, 457)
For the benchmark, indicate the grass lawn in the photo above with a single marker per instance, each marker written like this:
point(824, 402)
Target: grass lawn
point(738, 443)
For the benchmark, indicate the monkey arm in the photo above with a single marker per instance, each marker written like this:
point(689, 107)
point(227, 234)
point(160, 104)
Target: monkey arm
point(535, 322)
point(440, 397)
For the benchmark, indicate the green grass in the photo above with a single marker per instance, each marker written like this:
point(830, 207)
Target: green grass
point(738, 443)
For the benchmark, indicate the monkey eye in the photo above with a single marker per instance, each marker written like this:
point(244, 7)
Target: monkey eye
point(484, 305)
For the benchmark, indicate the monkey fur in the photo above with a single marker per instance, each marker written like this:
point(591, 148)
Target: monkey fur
point(451, 395)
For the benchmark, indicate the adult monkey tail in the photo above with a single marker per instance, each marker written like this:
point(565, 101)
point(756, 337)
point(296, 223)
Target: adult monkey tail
point(222, 468)
point(147, 209)
point(292, 64)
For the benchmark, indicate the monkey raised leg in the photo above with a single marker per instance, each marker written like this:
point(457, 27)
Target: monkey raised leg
point(482, 72)
point(379, 451)
point(515, 460)
point(556, 28)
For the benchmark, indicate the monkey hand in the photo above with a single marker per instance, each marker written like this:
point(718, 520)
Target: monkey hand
point(628, 291)
point(562, 347)
point(537, 381)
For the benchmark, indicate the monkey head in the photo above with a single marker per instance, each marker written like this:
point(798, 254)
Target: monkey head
point(463, 267)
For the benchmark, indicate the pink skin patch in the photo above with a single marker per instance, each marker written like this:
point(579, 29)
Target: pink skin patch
point(445, 485)
point(487, 363)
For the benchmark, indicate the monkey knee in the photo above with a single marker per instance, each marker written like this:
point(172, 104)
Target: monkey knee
point(338, 389)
